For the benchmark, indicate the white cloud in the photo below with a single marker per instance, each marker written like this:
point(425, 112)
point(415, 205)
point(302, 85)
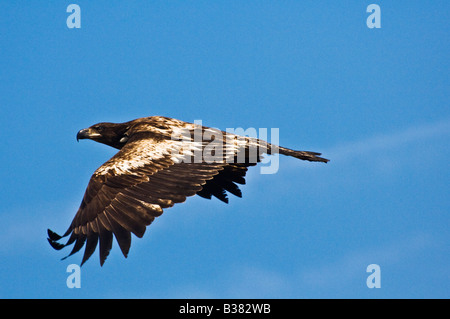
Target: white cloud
point(25, 226)
point(255, 282)
point(351, 268)
point(345, 273)
point(389, 141)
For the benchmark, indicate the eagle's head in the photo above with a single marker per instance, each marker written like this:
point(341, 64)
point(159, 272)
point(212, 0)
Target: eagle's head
point(112, 134)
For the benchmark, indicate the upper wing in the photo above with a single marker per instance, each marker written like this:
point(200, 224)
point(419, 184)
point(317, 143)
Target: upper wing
point(127, 192)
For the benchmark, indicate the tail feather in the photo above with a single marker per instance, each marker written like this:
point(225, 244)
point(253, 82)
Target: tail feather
point(303, 155)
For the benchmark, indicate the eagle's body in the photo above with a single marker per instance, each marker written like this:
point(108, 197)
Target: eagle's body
point(161, 162)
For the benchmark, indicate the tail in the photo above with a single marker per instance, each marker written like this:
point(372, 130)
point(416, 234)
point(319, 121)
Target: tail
point(303, 155)
point(273, 149)
point(269, 148)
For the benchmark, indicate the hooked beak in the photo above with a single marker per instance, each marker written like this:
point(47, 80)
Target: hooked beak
point(87, 133)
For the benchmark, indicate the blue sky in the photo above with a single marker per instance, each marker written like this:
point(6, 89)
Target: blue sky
point(374, 101)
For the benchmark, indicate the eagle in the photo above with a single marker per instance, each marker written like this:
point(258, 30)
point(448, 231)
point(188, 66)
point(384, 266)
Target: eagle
point(161, 161)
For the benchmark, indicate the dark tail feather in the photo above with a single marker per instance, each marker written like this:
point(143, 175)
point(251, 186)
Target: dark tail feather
point(303, 155)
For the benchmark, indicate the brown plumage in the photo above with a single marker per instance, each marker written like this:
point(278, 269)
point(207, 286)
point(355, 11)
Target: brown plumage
point(161, 162)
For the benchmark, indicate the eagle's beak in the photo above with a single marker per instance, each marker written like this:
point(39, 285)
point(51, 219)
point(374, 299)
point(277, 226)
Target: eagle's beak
point(87, 133)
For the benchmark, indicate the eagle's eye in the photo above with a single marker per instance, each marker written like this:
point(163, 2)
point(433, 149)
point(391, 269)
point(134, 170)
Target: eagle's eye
point(98, 128)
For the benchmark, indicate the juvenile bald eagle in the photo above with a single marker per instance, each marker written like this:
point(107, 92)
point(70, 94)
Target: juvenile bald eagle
point(161, 162)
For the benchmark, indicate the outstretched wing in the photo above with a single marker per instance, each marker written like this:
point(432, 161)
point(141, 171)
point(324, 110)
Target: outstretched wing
point(129, 191)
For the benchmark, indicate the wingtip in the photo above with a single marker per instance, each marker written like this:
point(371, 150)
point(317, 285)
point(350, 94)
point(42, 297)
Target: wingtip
point(52, 235)
point(55, 245)
point(85, 258)
point(103, 258)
